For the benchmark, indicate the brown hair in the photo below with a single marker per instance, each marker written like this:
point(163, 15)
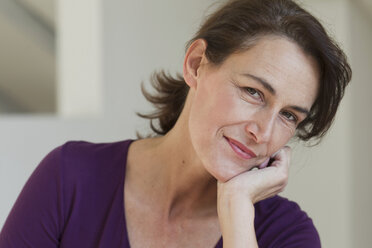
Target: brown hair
point(230, 30)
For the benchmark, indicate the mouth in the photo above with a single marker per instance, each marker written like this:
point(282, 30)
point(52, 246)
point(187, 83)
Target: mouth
point(241, 150)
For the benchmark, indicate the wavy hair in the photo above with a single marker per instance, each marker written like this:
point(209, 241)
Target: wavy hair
point(233, 28)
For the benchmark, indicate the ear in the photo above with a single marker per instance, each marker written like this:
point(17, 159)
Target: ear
point(194, 58)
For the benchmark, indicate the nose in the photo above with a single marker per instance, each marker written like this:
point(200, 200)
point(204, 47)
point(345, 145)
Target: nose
point(261, 127)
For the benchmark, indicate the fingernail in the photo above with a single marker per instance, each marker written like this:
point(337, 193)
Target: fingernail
point(272, 156)
point(264, 164)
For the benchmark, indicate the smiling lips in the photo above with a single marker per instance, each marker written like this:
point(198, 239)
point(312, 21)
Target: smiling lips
point(240, 149)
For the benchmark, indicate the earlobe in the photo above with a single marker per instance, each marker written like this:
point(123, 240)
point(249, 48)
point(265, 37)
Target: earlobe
point(194, 58)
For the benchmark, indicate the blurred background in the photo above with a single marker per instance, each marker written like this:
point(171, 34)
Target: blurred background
point(71, 70)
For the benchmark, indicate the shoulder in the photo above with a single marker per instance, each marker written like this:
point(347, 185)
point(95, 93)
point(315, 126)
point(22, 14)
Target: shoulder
point(280, 222)
point(81, 164)
point(84, 150)
point(71, 191)
point(82, 160)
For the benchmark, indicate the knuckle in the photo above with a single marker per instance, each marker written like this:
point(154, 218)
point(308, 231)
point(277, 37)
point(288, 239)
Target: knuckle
point(285, 183)
point(283, 177)
point(287, 149)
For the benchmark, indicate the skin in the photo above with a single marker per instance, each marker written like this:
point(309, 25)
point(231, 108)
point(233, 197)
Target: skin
point(228, 101)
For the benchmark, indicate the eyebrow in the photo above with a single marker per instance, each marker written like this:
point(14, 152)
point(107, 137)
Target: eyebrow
point(268, 86)
point(263, 82)
point(301, 110)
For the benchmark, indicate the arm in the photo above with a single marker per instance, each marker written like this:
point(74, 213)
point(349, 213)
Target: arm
point(236, 199)
point(237, 223)
point(35, 218)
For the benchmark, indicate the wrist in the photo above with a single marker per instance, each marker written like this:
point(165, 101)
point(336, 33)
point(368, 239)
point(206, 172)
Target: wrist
point(237, 224)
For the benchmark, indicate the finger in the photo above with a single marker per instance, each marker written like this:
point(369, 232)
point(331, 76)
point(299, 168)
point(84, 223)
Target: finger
point(281, 167)
point(282, 157)
point(270, 193)
point(272, 157)
point(264, 164)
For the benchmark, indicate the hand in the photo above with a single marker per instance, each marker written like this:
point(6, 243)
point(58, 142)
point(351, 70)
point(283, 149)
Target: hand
point(265, 182)
point(235, 198)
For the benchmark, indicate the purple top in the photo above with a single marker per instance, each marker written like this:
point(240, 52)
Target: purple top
point(74, 198)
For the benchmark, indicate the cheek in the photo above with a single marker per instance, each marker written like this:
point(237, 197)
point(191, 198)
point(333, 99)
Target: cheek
point(210, 112)
point(211, 115)
point(227, 108)
point(280, 138)
point(212, 109)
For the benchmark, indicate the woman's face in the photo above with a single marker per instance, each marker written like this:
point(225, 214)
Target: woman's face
point(246, 109)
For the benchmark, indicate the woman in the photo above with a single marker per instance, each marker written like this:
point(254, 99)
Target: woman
point(257, 74)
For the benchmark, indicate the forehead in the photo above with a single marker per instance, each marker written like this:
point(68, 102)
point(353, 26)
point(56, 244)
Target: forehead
point(281, 63)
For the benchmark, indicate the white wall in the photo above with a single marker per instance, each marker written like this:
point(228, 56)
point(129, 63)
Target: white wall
point(361, 134)
point(138, 36)
point(79, 55)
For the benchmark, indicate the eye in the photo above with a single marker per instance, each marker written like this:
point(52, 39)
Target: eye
point(254, 93)
point(289, 116)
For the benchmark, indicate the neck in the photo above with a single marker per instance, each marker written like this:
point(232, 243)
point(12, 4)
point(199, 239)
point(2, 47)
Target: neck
point(167, 176)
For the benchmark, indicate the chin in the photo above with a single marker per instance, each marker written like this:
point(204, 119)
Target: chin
point(221, 173)
point(219, 163)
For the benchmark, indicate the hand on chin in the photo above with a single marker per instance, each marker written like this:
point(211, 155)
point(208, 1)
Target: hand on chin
point(260, 182)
